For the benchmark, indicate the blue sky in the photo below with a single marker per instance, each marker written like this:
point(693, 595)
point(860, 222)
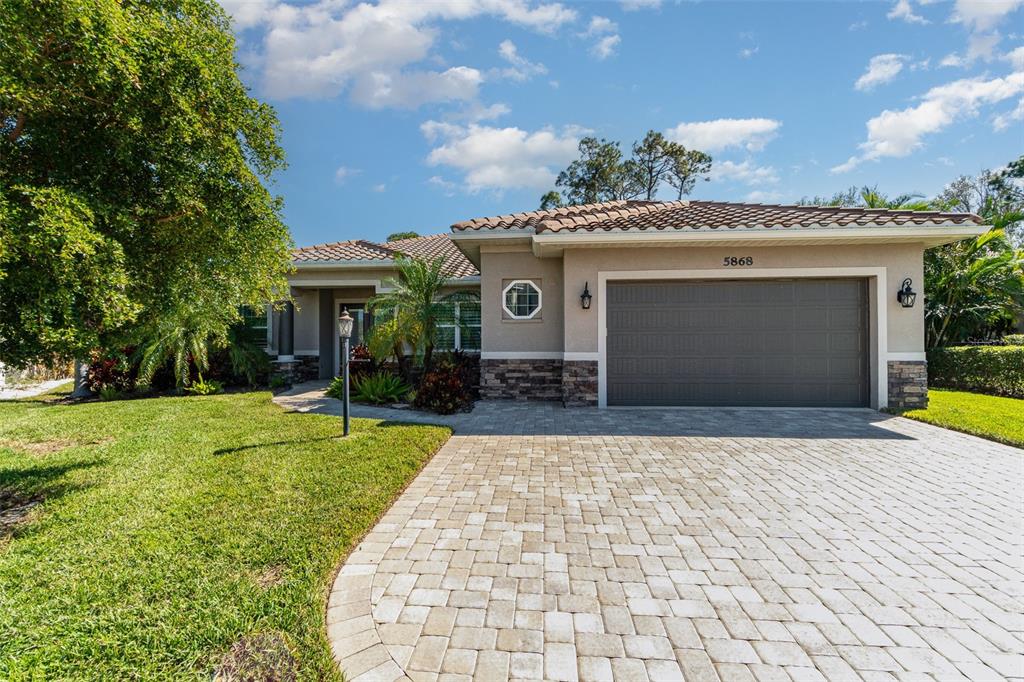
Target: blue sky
point(403, 115)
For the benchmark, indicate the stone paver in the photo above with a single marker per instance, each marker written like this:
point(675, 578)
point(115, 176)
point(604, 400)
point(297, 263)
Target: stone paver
point(691, 544)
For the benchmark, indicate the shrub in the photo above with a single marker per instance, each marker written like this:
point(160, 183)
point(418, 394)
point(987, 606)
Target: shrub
point(442, 389)
point(278, 381)
point(207, 387)
point(995, 370)
point(381, 388)
point(1014, 339)
point(115, 371)
point(108, 393)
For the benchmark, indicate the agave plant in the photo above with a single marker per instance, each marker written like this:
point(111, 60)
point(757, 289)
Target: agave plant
point(381, 388)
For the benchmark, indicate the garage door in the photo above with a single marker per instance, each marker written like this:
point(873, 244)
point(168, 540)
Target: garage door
point(786, 343)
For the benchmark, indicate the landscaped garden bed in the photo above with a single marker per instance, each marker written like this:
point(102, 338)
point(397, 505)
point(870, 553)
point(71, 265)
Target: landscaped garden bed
point(173, 537)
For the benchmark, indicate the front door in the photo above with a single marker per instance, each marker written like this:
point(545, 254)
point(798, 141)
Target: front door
point(362, 321)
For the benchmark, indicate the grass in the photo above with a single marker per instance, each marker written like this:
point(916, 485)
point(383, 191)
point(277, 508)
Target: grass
point(168, 529)
point(991, 417)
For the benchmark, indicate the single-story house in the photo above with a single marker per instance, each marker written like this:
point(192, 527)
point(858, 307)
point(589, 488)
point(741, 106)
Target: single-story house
point(645, 303)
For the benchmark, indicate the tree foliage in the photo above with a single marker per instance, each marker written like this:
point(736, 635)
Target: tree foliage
point(603, 173)
point(132, 163)
point(396, 236)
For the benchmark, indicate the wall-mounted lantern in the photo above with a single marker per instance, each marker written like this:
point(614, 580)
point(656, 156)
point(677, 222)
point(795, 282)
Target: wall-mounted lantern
point(906, 296)
point(585, 297)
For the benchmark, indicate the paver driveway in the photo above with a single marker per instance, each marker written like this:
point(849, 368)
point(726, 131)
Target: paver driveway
point(696, 544)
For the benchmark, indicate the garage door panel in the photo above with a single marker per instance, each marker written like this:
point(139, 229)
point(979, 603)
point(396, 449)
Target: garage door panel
point(782, 343)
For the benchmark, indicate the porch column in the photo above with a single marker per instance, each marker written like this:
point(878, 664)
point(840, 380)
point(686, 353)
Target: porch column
point(328, 332)
point(286, 341)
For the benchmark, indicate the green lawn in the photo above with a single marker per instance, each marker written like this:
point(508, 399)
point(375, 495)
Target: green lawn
point(992, 417)
point(170, 528)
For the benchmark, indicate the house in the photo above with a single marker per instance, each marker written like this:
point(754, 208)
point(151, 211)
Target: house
point(681, 303)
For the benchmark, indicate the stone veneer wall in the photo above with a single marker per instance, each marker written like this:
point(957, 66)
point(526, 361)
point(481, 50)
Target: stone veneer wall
point(302, 368)
point(521, 379)
point(908, 384)
point(579, 383)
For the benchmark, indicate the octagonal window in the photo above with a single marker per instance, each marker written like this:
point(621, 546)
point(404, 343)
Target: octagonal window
point(521, 299)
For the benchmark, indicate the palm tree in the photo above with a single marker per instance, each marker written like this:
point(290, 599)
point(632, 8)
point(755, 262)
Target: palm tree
point(413, 308)
point(972, 288)
point(181, 338)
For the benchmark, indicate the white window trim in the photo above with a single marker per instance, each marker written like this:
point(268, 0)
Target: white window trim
point(457, 327)
point(540, 299)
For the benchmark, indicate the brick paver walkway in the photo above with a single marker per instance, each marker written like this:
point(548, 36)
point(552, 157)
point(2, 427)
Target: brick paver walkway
point(692, 544)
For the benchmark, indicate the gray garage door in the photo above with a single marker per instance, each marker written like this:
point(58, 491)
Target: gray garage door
point(772, 343)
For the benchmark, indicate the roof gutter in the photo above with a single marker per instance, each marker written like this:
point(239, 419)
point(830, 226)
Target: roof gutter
point(936, 235)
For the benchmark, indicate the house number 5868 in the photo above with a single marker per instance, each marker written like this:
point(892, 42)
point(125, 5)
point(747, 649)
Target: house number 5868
point(735, 261)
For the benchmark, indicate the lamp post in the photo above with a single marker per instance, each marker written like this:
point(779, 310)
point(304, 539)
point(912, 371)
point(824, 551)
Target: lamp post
point(345, 332)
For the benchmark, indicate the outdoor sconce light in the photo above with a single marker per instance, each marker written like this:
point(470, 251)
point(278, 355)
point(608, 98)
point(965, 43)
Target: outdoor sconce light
point(906, 295)
point(345, 332)
point(585, 297)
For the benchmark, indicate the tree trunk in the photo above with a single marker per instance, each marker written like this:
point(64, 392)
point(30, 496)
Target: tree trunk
point(428, 357)
point(81, 380)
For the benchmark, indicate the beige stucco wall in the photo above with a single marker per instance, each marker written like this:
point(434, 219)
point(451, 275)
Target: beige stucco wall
point(305, 327)
point(529, 336)
point(905, 331)
point(306, 299)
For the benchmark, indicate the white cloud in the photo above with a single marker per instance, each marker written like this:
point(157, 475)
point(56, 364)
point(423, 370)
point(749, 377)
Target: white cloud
point(446, 186)
point(746, 172)
point(1003, 121)
point(344, 173)
point(748, 52)
point(607, 38)
point(379, 188)
point(501, 158)
point(520, 68)
point(475, 112)
point(881, 69)
point(330, 46)
point(983, 15)
point(635, 5)
point(600, 25)
point(762, 197)
point(605, 47)
point(410, 89)
point(981, 19)
point(751, 134)
point(899, 133)
point(902, 9)
point(1016, 58)
point(858, 25)
point(247, 13)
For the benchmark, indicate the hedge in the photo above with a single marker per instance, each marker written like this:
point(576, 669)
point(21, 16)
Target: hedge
point(1014, 339)
point(995, 370)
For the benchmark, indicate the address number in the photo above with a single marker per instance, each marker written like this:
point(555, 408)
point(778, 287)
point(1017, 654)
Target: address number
point(734, 261)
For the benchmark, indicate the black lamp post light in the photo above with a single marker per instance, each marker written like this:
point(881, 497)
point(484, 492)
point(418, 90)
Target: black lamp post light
point(585, 297)
point(906, 296)
point(345, 332)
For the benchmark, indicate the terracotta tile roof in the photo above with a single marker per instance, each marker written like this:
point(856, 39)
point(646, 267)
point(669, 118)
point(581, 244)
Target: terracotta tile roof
point(429, 247)
point(356, 249)
point(680, 215)
point(434, 246)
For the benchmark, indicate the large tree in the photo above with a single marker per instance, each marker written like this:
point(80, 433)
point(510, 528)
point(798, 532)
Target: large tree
point(602, 173)
point(132, 170)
